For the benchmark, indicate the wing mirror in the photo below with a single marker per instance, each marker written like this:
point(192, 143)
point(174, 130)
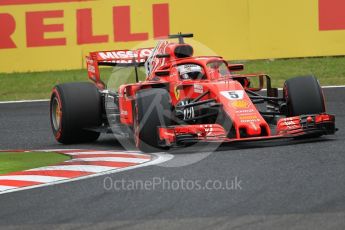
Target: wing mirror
point(235, 67)
point(162, 73)
point(252, 82)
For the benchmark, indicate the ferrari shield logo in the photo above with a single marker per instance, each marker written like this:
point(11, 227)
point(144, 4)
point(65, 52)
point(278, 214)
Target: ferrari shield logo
point(177, 93)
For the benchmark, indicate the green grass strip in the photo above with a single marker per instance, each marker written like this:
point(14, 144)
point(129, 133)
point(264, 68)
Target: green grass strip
point(19, 161)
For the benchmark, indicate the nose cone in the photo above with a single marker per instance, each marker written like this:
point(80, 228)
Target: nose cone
point(253, 129)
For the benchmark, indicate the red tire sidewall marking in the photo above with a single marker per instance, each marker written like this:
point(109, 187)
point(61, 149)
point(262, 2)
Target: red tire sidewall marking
point(59, 131)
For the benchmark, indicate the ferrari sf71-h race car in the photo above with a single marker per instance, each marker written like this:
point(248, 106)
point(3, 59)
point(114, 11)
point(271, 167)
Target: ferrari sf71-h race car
point(184, 100)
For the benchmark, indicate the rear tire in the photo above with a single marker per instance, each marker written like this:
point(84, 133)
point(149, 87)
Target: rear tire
point(152, 109)
point(73, 108)
point(303, 96)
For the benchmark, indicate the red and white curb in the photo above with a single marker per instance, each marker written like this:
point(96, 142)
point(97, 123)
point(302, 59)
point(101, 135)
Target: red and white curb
point(84, 164)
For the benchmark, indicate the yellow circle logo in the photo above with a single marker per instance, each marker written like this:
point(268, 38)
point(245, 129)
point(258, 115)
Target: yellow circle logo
point(240, 104)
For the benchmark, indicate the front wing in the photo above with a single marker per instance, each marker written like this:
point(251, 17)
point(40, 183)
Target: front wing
point(298, 126)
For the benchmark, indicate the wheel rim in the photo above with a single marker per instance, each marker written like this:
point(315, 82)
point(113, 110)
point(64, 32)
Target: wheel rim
point(56, 114)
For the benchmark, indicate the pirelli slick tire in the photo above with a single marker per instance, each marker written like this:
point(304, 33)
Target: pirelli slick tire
point(152, 109)
point(303, 96)
point(74, 107)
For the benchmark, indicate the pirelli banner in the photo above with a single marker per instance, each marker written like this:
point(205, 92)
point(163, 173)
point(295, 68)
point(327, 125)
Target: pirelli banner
point(39, 35)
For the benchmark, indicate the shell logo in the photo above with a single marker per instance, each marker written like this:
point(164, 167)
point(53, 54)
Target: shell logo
point(240, 104)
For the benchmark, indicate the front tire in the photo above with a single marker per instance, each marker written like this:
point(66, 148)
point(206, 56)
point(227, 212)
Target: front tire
point(152, 109)
point(74, 107)
point(303, 96)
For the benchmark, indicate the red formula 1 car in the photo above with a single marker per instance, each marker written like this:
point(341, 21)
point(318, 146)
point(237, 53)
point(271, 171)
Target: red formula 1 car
point(186, 99)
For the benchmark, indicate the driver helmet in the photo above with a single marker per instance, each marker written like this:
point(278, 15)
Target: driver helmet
point(190, 71)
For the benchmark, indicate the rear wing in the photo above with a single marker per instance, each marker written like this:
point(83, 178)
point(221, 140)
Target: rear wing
point(125, 58)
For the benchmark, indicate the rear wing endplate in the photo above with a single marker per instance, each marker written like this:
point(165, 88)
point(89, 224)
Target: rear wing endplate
point(124, 58)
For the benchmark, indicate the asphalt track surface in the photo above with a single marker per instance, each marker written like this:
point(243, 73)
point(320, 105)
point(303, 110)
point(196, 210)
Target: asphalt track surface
point(284, 185)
